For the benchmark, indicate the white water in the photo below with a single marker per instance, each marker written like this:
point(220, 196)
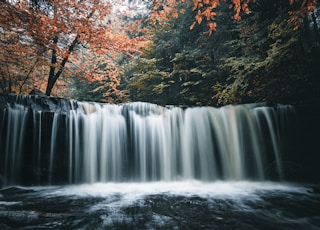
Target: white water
point(16, 128)
point(163, 205)
point(141, 142)
point(235, 190)
point(53, 144)
point(144, 166)
point(152, 143)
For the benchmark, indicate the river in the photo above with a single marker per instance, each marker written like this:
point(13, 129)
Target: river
point(162, 205)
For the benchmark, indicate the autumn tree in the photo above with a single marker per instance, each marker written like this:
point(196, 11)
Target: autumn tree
point(95, 77)
point(17, 64)
point(45, 43)
point(59, 28)
point(206, 10)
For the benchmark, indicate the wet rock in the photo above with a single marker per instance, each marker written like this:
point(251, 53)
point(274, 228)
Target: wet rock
point(37, 92)
point(38, 101)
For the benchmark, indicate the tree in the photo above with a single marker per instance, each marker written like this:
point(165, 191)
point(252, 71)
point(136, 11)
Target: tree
point(62, 27)
point(206, 9)
point(78, 41)
point(271, 60)
point(96, 77)
point(180, 66)
point(262, 57)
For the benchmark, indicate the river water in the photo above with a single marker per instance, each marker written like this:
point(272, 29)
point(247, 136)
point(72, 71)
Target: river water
point(143, 166)
point(162, 205)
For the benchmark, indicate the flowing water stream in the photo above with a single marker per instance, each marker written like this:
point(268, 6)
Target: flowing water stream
point(84, 165)
point(161, 205)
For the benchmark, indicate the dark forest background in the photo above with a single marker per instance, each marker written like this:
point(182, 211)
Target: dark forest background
point(258, 59)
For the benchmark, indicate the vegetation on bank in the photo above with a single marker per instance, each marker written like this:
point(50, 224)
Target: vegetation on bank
point(179, 53)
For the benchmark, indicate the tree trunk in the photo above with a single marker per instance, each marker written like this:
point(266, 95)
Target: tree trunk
point(53, 77)
point(51, 81)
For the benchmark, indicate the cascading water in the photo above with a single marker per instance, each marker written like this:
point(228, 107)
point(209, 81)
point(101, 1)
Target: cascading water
point(143, 166)
point(92, 142)
point(16, 117)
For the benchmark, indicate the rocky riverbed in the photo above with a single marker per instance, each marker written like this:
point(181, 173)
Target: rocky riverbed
point(159, 205)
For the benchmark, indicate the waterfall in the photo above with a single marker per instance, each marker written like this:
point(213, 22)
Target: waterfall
point(93, 142)
point(16, 116)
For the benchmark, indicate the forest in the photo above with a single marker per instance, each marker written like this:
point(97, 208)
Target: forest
point(179, 52)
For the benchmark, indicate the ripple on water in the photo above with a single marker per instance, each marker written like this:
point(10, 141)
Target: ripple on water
point(174, 205)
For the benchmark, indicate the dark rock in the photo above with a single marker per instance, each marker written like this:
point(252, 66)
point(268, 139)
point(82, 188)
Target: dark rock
point(37, 92)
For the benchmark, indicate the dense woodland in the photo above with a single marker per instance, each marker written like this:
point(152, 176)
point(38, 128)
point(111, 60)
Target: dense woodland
point(201, 52)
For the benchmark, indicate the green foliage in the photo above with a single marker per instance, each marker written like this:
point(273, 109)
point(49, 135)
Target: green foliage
point(180, 67)
point(84, 91)
point(260, 58)
point(272, 64)
point(146, 80)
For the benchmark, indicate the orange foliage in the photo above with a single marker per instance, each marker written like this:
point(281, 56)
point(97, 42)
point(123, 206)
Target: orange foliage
point(163, 10)
point(304, 7)
point(37, 43)
point(206, 10)
point(19, 69)
point(61, 27)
